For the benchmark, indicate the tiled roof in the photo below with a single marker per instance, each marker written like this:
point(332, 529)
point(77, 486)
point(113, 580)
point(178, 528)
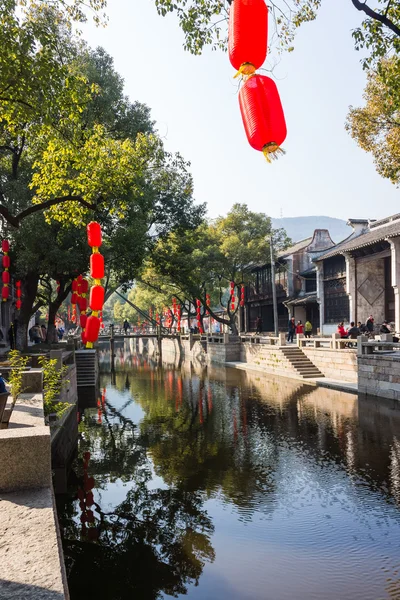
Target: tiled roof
point(375, 235)
point(298, 301)
point(296, 247)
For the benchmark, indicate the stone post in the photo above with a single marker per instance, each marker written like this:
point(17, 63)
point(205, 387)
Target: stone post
point(362, 339)
point(395, 253)
point(282, 339)
point(320, 295)
point(57, 354)
point(351, 286)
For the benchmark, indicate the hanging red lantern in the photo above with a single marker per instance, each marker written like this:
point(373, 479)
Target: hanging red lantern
point(6, 261)
point(5, 277)
point(74, 287)
point(94, 234)
point(248, 35)
point(5, 292)
point(97, 265)
point(5, 246)
point(83, 338)
point(92, 329)
point(84, 287)
point(96, 297)
point(74, 298)
point(18, 283)
point(82, 321)
point(82, 303)
point(18, 304)
point(262, 115)
point(18, 292)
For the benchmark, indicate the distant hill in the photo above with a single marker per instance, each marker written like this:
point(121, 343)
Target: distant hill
point(299, 228)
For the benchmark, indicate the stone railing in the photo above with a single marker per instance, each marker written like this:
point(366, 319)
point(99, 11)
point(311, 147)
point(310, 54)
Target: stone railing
point(383, 346)
point(332, 343)
point(280, 340)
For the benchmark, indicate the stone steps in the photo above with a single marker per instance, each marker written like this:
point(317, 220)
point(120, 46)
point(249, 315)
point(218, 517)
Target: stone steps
point(301, 363)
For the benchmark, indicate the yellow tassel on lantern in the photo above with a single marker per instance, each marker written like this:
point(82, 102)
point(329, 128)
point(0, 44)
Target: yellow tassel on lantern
point(246, 69)
point(272, 151)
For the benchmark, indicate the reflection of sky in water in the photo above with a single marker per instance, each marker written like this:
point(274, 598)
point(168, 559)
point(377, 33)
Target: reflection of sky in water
point(301, 483)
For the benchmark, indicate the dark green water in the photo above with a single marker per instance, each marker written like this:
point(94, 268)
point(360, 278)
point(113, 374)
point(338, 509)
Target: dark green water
point(220, 484)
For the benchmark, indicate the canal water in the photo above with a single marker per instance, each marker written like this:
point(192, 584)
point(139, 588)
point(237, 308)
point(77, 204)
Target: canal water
point(221, 484)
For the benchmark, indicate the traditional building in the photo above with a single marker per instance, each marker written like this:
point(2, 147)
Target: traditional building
point(295, 283)
point(361, 275)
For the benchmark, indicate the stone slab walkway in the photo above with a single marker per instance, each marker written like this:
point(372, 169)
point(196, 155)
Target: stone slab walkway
point(30, 562)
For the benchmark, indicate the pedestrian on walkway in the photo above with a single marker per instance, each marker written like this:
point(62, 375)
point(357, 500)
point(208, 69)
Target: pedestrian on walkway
point(291, 330)
point(299, 328)
point(308, 329)
point(126, 326)
point(370, 326)
point(258, 325)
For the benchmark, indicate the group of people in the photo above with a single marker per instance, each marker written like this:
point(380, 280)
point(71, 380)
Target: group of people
point(299, 329)
point(367, 329)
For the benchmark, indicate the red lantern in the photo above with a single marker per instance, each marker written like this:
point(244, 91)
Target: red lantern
point(18, 292)
point(6, 261)
point(83, 337)
point(94, 234)
point(5, 292)
point(18, 304)
point(5, 277)
point(74, 286)
point(74, 298)
point(82, 303)
point(18, 284)
point(92, 329)
point(233, 306)
point(79, 279)
point(97, 265)
point(84, 286)
point(82, 321)
point(96, 297)
point(5, 246)
point(262, 115)
point(248, 35)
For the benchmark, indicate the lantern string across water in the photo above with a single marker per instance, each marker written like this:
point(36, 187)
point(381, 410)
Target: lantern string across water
point(96, 299)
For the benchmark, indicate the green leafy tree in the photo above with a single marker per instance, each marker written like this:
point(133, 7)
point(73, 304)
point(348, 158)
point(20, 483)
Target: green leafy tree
point(376, 125)
point(206, 260)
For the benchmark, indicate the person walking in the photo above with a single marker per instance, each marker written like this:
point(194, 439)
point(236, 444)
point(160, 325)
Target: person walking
point(258, 325)
point(126, 326)
point(291, 330)
point(299, 328)
point(308, 329)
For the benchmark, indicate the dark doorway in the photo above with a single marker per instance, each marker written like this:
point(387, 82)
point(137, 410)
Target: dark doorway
point(389, 291)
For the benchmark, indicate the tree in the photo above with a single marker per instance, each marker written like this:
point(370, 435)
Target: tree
point(376, 125)
point(206, 260)
point(204, 22)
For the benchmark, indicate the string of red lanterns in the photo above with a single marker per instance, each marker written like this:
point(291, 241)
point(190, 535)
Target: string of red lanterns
point(96, 299)
point(242, 295)
point(5, 276)
point(18, 293)
point(259, 101)
point(198, 315)
point(232, 284)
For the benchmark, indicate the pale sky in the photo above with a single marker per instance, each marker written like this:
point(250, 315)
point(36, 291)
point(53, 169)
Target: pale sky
point(194, 101)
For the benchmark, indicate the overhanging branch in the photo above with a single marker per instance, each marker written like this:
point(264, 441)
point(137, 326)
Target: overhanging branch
point(362, 6)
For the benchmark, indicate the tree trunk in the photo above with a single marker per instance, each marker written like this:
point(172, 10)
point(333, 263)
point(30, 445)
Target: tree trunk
point(29, 290)
point(53, 309)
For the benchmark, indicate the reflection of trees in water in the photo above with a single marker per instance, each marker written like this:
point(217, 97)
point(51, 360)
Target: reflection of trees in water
point(154, 541)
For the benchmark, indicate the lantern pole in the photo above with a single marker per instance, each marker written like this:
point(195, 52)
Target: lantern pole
point(274, 300)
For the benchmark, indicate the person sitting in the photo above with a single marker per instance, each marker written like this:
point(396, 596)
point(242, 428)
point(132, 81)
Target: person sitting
point(385, 328)
point(353, 332)
point(370, 325)
point(341, 331)
point(363, 329)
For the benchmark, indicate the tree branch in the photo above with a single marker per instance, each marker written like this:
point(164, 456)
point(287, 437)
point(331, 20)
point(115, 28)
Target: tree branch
point(362, 6)
point(15, 220)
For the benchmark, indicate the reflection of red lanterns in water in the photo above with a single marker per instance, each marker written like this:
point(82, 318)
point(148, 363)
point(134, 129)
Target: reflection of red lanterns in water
point(209, 398)
point(86, 500)
point(201, 418)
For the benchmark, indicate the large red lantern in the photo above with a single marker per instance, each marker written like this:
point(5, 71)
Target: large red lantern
point(18, 304)
point(262, 115)
point(6, 261)
point(5, 277)
point(74, 298)
point(248, 35)
point(82, 303)
point(5, 292)
point(83, 320)
point(97, 265)
point(94, 234)
point(74, 287)
point(96, 297)
point(18, 292)
point(5, 246)
point(92, 329)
